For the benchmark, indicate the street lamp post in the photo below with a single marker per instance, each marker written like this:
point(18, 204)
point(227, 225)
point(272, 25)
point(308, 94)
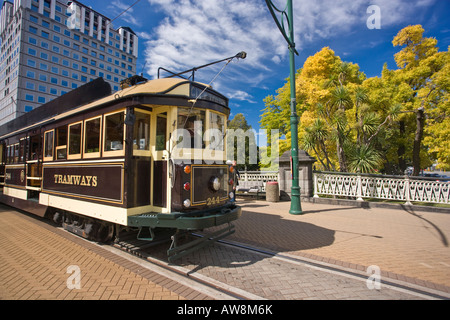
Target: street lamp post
point(296, 208)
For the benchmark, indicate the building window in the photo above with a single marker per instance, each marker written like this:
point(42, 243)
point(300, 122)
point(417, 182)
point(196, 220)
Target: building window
point(31, 63)
point(31, 52)
point(32, 40)
point(29, 97)
point(30, 74)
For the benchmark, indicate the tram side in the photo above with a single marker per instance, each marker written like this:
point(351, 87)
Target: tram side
point(111, 164)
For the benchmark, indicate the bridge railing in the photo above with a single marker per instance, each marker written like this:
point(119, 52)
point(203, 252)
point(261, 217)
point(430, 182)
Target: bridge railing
point(399, 188)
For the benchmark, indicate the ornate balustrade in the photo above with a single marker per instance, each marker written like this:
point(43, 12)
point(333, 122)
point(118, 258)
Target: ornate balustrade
point(256, 179)
point(361, 186)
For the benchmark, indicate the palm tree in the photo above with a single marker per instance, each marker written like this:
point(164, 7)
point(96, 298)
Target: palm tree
point(364, 159)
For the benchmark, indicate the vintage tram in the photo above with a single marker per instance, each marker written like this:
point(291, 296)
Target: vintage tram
point(139, 159)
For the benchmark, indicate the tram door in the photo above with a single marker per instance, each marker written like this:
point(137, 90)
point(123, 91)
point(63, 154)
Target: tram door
point(160, 156)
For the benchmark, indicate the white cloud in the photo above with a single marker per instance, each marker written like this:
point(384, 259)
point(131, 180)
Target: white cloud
point(195, 32)
point(242, 96)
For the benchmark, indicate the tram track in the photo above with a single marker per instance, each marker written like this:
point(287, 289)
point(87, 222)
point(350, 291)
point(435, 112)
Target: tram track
point(158, 260)
point(347, 272)
point(156, 257)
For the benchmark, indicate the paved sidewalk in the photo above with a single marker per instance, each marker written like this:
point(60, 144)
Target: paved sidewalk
point(406, 245)
point(37, 263)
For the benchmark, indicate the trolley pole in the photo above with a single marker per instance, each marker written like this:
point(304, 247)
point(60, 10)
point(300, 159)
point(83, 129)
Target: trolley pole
point(287, 13)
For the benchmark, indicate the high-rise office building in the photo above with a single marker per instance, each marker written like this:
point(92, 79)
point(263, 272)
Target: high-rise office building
point(50, 47)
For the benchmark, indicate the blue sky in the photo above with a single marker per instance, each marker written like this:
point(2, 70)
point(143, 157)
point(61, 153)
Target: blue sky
point(181, 34)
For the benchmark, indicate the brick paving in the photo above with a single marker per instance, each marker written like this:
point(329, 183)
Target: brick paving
point(411, 246)
point(35, 261)
point(406, 245)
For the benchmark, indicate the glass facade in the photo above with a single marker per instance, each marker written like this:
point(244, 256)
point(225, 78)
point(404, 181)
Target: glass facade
point(45, 53)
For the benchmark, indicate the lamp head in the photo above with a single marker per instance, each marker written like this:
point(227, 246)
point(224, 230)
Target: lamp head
point(241, 55)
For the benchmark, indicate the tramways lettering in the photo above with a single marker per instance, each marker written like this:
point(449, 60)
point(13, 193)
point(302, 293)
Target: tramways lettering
point(88, 181)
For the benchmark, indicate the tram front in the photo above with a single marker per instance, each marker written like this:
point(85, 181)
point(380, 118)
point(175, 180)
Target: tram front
point(198, 182)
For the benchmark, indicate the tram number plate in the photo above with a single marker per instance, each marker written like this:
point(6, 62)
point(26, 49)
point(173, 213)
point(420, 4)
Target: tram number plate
point(213, 200)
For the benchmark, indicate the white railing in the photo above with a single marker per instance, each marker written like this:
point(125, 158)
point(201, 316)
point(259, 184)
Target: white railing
point(405, 188)
point(256, 179)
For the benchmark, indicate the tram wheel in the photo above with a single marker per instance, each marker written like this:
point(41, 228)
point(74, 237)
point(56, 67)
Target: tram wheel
point(102, 231)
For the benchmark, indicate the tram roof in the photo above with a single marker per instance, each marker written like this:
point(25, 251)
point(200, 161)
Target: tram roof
point(98, 93)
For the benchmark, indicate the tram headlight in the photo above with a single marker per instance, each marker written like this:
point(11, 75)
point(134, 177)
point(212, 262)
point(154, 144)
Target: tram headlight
point(187, 203)
point(214, 184)
point(187, 169)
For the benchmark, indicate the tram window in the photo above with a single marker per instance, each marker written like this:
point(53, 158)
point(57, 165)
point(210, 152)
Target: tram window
point(61, 142)
point(8, 154)
point(114, 133)
point(141, 134)
point(23, 148)
point(48, 145)
point(217, 130)
point(16, 153)
point(34, 147)
point(192, 120)
point(74, 141)
point(161, 129)
point(92, 137)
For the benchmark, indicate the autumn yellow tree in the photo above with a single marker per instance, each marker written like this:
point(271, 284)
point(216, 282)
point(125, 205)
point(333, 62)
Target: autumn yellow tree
point(421, 87)
point(350, 123)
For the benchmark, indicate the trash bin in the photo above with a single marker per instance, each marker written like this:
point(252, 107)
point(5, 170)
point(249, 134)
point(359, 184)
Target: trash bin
point(272, 191)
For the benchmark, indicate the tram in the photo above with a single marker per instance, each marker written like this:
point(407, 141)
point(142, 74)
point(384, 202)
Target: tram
point(147, 158)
